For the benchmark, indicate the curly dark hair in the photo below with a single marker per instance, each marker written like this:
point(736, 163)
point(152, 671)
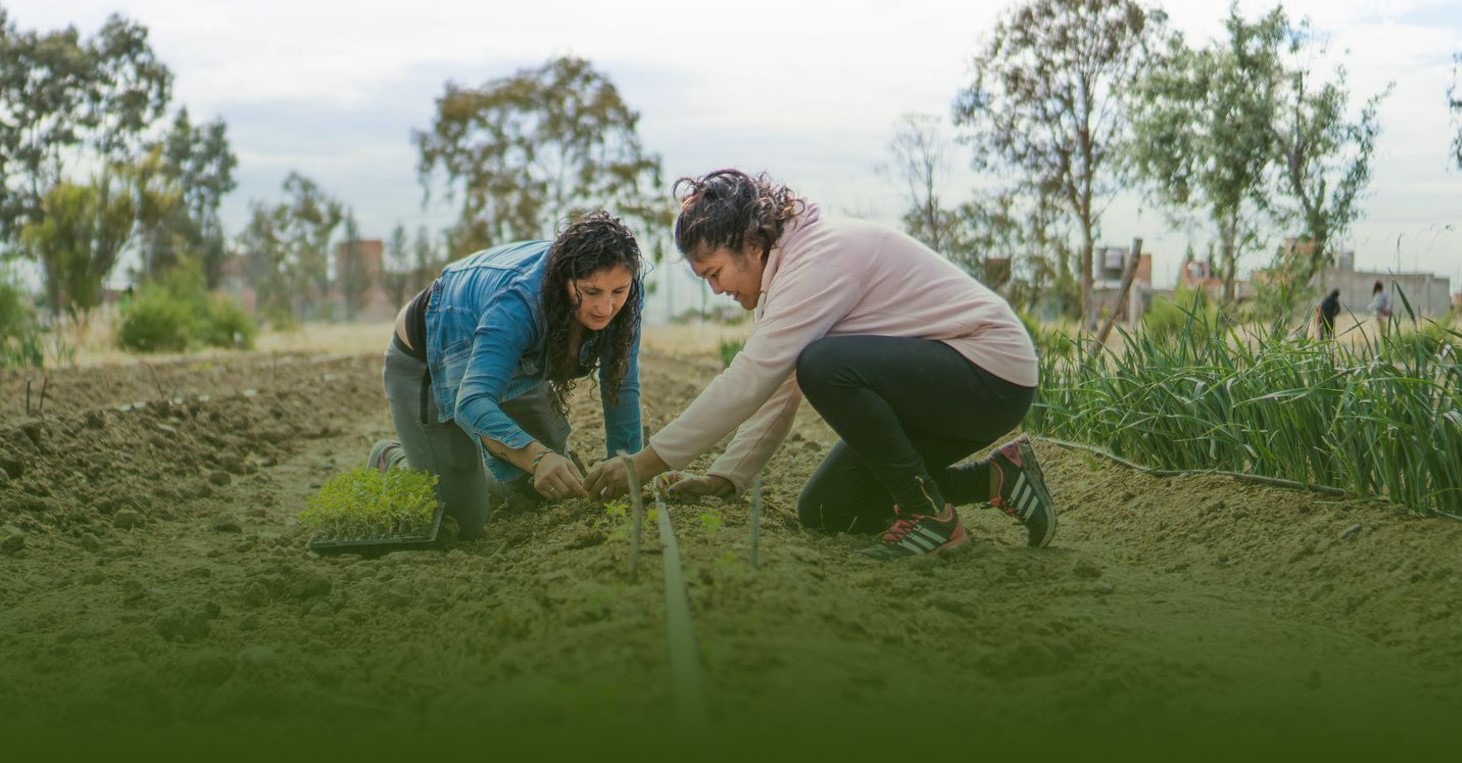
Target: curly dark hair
point(729, 208)
point(594, 242)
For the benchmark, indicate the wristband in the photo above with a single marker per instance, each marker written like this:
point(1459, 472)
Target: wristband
point(533, 465)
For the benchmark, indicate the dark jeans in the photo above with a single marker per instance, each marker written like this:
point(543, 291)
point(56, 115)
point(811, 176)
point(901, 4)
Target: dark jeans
point(464, 484)
point(906, 409)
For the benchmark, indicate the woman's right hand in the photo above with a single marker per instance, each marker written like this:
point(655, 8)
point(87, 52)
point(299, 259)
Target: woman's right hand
point(693, 487)
point(555, 477)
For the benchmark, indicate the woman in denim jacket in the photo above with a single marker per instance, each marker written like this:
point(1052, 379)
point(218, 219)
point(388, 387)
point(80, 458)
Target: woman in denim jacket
point(481, 363)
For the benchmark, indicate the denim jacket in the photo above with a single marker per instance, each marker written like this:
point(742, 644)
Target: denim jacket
point(485, 332)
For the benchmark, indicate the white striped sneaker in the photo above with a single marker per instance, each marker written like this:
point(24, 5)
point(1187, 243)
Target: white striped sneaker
point(1021, 492)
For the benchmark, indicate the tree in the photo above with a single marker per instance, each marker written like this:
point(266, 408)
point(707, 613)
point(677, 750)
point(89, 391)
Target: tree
point(287, 248)
point(921, 161)
point(526, 152)
point(396, 270)
point(1454, 104)
point(1047, 103)
point(199, 160)
point(350, 267)
point(1322, 159)
point(426, 260)
point(1203, 130)
point(76, 239)
point(61, 96)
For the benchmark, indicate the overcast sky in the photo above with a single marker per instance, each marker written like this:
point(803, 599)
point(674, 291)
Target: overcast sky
point(809, 91)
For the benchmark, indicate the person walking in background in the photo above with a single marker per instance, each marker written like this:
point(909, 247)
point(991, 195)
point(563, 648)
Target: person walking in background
point(911, 361)
point(1325, 314)
point(481, 362)
point(1381, 306)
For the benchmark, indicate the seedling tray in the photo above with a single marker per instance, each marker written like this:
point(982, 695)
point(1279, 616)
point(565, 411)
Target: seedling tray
point(326, 543)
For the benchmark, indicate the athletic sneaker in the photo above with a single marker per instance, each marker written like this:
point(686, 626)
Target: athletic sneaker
point(385, 454)
point(1021, 491)
point(918, 534)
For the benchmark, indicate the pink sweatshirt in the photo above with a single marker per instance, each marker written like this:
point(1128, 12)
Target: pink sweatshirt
point(838, 277)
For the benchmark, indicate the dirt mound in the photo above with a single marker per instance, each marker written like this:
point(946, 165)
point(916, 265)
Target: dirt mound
point(151, 577)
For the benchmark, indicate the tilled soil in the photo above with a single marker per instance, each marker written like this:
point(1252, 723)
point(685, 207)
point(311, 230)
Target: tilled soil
point(152, 579)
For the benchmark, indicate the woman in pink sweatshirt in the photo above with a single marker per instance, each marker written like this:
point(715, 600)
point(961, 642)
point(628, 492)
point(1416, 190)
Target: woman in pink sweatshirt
point(913, 363)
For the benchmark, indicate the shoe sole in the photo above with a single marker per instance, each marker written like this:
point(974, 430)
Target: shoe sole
point(1037, 482)
point(960, 542)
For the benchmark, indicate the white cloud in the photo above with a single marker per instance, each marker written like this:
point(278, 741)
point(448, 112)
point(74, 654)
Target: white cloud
point(808, 90)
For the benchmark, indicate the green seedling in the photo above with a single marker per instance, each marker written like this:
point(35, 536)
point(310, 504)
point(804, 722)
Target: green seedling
point(711, 522)
point(369, 503)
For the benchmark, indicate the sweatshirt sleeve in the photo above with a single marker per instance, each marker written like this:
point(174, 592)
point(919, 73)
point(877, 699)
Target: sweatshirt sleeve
point(809, 296)
point(759, 437)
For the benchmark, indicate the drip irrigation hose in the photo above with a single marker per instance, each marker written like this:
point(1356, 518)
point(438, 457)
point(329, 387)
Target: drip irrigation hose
point(685, 666)
point(1254, 478)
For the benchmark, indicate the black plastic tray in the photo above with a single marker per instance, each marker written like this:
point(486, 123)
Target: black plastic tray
point(380, 544)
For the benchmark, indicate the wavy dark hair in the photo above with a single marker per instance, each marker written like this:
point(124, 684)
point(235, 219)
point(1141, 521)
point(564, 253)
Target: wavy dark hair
point(729, 208)
point(594, 242)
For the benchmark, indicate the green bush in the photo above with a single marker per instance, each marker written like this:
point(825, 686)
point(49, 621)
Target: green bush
point(229, 325)
point(729, 349)
point(176, 311)
point(20, 341)
point(156, 322)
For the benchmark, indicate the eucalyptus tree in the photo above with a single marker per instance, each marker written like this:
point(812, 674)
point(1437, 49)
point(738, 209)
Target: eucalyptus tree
point(1047, 105)
point(1203, 130)
point(63, 98)
point(523, 153)
point(1454, 104)
point(199, 159)
point(286, 247)
point(1323, 153)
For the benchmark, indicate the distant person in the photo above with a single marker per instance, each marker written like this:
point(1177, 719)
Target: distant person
point(1381, 306)
point(1325, 315)
point(912, 362)
point(482, 360)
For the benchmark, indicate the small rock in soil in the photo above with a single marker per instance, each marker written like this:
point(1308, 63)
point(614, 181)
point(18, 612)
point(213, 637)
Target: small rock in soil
point(177, 624)
point(308, 584)
point(1349, 532)
point(255, 594)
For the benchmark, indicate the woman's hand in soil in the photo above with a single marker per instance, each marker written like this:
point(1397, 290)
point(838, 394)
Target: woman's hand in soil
point(609, 479)
point(693, 487)
point(556, 477)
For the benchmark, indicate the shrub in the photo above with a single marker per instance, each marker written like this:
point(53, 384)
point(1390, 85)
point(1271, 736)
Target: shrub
point(176, 311)
point(155, 322)
point(729, 349)
point(20, 342)
point(369, 503)
point(229, 325)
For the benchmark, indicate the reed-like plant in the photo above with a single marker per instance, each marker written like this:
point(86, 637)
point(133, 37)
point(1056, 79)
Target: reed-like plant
point(1371, 415)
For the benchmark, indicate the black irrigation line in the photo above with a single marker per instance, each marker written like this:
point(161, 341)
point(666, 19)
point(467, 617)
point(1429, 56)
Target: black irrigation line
point(1240, 476)
point(686, 679)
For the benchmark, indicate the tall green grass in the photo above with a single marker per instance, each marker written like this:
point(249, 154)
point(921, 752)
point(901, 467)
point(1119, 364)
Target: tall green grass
point(1371, 415)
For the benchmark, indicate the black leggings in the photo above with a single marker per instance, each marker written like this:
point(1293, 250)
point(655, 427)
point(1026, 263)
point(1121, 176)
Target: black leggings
point(905, 409)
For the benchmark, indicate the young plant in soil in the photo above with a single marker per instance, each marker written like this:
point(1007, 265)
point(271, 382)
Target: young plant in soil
point(369, 503)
